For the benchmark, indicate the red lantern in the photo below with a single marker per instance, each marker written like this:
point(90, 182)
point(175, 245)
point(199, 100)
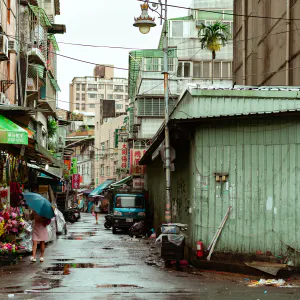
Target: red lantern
point(200, 249)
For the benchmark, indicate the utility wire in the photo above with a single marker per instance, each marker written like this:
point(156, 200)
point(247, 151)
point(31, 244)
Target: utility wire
point(221, 13)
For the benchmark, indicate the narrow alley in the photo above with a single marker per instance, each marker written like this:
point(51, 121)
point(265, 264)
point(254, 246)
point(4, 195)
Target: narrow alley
point(92, 263)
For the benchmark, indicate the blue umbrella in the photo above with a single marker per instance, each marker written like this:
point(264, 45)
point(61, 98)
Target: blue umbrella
point(39, 204)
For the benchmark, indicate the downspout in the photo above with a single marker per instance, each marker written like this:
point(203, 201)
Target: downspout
point(288, 37)
point(244, 20)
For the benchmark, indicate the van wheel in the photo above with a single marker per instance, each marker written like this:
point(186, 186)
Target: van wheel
point(114, 230)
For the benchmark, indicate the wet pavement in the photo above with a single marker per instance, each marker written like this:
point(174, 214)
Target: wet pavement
point(92, 263)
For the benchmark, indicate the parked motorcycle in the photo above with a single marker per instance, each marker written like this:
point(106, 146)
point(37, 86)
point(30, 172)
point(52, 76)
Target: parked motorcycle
point(76, 211)
point(70, 215)
point(109, 221)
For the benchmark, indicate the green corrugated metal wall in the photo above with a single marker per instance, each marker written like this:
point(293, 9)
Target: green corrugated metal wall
point(262, 158)
point(180, 188)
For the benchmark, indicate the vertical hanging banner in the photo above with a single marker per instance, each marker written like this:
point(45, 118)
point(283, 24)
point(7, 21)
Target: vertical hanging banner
point(75, 181)
point(123, 155)
point(135, 157)
point(74, 166)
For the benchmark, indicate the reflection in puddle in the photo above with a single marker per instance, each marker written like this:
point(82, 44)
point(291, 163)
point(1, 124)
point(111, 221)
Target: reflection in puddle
point(79, 235)
point(12, 289)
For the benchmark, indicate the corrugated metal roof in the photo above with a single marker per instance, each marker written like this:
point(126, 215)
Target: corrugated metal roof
point(206, 103)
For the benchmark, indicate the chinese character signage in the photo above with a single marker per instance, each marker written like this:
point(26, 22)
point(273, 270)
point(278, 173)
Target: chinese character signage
point(75, 181)
point(74, 166)
point(67, 162)
point(135, 157)
point(138, 183)
point(123, 149)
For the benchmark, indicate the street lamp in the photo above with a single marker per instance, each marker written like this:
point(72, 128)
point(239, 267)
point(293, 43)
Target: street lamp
point(145, 22)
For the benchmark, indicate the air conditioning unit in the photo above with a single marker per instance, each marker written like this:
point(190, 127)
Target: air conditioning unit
point(3, 47)
point(13, 46)
point(3, 99)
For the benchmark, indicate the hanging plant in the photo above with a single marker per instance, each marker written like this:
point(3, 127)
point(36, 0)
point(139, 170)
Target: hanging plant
point(52, 127)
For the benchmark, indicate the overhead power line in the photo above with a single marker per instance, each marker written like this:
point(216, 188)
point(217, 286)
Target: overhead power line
point(223, 13)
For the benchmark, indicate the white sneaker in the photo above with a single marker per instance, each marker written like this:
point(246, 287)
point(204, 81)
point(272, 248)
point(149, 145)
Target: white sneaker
point(32, 259)
point(42, 259)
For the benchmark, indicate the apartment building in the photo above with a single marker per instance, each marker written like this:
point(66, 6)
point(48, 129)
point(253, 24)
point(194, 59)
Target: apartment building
point(107, 153)
point(266, 48)
point(9, 50)
point(188, 63)
point(87, 92)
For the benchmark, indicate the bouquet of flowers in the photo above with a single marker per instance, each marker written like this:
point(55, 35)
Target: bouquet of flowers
point(11, 223)
point(8, 247)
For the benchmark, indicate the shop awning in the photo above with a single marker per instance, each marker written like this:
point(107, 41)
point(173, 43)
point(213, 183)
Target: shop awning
point(121, 182)
point(97, 191)
point(11, 133)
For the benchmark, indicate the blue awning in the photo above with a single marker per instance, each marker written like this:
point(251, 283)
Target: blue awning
point(97, 191)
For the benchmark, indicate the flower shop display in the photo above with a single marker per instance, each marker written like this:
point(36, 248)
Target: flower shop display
point(11, 226)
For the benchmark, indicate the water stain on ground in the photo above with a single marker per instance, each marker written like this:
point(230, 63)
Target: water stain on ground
point(64, 268)
point(12, 289)
point(109, 286)
point(79, 236)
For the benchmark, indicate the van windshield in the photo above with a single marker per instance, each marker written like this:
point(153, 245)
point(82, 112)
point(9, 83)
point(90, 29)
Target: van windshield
point(130, 202)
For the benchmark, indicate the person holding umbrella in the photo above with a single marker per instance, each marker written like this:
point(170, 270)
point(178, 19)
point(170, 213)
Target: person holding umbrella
point(43, 213)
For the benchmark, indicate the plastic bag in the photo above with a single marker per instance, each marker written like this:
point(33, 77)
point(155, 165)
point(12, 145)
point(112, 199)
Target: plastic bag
point(60, 221)
point(176, 239)
point(93, 214)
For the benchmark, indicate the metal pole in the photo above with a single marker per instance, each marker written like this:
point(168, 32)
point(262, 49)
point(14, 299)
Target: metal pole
point(168, 216)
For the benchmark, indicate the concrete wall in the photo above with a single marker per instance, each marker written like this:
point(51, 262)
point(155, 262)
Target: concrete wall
point(266, 51)
point(108, 158)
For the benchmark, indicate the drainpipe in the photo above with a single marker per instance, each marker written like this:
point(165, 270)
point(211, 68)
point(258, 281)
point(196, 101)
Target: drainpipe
point(288, 37)
point(244, 20)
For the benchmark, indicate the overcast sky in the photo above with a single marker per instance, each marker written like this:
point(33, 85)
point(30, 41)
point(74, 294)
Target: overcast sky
point(102, 22)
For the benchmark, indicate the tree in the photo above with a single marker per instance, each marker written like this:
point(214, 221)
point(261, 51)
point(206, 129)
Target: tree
point(213, 38)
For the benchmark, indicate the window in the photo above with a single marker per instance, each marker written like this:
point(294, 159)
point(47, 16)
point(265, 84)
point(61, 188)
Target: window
point(82, 97)
point(101, 170)
point(119, 106)
point(153, 64)
point(77, 97)
point(83, 106)
point(77, 106)
point(184, 69)
point(115, 168)
point(101, 96)
point(119, 97)
point(77, 87)
point(130, 202)
point(110, 87)
point(222, 69)
point(126, 88)
point(92, 105)
point(93, 96)
point(92, 87)
point(107, 171)
point(101, 86)
point(83, 86)
point(110, 96)
point(180, 29)
point(118, 88)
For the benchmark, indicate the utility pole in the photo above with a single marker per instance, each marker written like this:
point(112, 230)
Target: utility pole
point(145, 22)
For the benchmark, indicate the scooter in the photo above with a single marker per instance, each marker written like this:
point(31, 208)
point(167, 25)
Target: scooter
point(109, 221)
point(69, 216)
point(76, 212)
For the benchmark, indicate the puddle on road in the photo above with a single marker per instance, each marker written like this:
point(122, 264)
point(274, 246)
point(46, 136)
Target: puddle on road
point(109, 286)
point(12, 289)
point(63, 259)
point(79, 236)
point(107, 248)
point(64, 269)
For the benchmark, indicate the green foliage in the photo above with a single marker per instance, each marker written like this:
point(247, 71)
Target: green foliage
point(213, 37)
point(52, 127)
